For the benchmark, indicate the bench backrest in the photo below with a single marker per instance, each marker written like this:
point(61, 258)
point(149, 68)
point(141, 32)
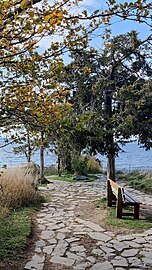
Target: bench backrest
point(116, 188)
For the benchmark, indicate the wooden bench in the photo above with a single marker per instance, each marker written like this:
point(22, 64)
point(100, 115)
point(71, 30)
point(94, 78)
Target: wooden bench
point(116, 195)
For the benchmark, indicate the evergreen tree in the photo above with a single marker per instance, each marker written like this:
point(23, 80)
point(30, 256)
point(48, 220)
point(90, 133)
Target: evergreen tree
point(97, 79)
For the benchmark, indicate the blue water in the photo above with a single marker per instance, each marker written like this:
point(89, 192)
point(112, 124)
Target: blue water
point(132, 158)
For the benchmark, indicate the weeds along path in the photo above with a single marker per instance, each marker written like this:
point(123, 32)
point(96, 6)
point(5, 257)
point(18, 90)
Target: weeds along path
point(72, 233)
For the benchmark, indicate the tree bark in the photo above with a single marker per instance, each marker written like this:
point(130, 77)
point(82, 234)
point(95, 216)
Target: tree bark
point(59, 165)
point(111, 167)
point(42, 158)
point(29, 151)
point(110, 146)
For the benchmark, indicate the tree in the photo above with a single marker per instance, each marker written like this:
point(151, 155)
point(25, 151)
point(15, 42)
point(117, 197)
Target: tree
point(137, 103)
point(27, 145)
point(23, 25)
point(96, 80)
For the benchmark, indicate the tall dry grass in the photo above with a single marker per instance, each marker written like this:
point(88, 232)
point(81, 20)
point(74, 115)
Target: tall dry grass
point(16, 188)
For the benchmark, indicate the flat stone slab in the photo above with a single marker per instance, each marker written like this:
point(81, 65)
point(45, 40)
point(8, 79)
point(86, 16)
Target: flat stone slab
point(62, 260)
point(104, 265)
point(48, 249)
point(99, 236)
point(78, 248)
point(119, 261)
point(47, 234)
point(129, 253)
point(37, 262)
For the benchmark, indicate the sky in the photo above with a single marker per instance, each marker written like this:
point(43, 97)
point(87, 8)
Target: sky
point(118, 27)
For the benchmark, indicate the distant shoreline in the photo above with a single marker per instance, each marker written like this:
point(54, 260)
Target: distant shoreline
point(133, 158)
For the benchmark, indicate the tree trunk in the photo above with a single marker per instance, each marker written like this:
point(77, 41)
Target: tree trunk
point(111, 167)
point(42, 158)
point(59, 165)
point(110, 145)
point(68, 163)
point(29, 151)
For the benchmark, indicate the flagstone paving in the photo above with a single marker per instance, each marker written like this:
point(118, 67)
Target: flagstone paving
point(67, 241)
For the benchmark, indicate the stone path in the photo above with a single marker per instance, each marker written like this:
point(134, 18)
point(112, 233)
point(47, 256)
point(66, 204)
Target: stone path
point(68, 242)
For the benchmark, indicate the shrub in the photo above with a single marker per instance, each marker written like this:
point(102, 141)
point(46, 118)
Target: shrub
point(16, 188)
point(79, 165)
point(83, 165)
point(94, 165)
point(50, 170)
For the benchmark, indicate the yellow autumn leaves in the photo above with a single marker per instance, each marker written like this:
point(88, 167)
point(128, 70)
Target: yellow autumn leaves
point(25, 3)
point(54, 18)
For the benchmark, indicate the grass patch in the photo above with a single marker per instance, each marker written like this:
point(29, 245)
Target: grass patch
point(125, 222)
point(138, 180)
point(15, 230)
point(69, 178)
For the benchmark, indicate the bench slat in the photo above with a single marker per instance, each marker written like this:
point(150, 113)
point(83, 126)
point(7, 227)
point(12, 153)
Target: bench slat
point(128, 197)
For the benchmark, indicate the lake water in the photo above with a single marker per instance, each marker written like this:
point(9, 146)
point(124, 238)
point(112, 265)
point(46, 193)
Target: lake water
point(132, 158)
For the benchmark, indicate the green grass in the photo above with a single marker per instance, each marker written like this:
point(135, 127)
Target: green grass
point(137, 180)
point(69, 178)
point(15, 229)
point(126, 222)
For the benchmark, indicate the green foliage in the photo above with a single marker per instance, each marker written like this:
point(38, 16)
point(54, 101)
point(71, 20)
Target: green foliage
point(102, 86)
point(136, 116)
point(138, 180)
point(84, 165)
point(50, 170)
point(94, 165)
point(79, 165)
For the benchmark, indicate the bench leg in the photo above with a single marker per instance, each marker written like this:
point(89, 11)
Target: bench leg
point(136, 211)
point(119, 204)
point(109, 194)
